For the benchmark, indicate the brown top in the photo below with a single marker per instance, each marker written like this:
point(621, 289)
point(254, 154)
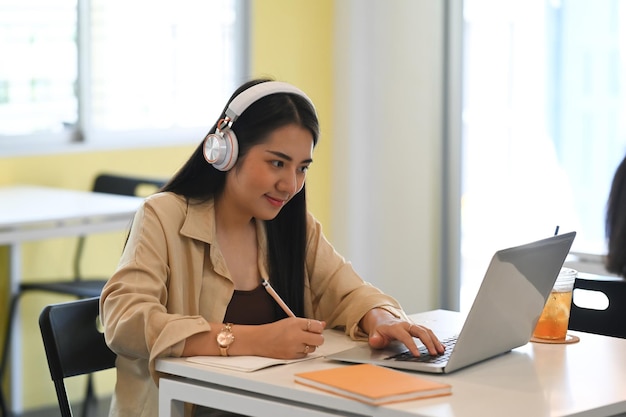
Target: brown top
point(252, 307)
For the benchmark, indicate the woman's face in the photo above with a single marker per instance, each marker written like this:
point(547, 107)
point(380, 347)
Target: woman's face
point(271, 173)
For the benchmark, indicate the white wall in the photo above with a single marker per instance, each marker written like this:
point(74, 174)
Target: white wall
point(387, 192)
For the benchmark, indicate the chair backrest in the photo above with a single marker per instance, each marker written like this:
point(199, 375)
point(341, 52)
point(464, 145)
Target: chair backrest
point(126, 184)
point(610, 321)
point(74, 343)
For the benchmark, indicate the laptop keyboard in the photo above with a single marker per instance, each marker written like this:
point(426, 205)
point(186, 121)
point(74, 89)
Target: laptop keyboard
point(424, 356)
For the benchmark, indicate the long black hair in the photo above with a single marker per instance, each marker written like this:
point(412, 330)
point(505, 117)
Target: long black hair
point(615, 223)
point(198, 181)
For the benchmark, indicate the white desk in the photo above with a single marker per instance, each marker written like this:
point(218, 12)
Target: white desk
point(29, 213)
point(533, 380)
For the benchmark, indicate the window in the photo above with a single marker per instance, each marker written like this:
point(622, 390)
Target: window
point(108, 70)
point(39, 66)
point(543, 124)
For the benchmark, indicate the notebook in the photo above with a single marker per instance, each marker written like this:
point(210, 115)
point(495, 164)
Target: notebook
point(371, 384)
point(503, 316)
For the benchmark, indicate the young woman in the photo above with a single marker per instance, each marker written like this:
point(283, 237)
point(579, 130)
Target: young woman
point(615, 223)
point(190, 280)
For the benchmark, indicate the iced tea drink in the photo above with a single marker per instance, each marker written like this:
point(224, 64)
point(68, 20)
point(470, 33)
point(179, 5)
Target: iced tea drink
point(554, 319)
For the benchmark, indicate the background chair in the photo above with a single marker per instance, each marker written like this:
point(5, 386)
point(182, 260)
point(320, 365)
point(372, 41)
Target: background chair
point(76, 285)
point(74, 344)
point(609, 322)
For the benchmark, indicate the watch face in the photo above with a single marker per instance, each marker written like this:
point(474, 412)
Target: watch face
point(225, 338)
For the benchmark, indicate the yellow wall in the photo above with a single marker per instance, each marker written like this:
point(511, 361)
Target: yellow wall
point(290, 41)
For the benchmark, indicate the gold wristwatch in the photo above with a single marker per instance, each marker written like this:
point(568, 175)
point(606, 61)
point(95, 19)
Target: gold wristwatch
point(225, 338)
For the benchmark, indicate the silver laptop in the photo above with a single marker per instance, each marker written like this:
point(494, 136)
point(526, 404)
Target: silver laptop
point(507, 306)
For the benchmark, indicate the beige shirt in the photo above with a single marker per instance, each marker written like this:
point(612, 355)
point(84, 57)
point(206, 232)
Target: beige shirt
point(172, 281)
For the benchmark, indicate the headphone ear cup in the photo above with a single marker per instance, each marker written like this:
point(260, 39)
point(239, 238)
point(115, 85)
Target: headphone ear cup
point(221, 149)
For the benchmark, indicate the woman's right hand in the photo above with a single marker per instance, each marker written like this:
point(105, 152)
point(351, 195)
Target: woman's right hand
point(290, 338)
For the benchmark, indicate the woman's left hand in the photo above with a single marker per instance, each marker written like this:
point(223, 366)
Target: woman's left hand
point(383, 328)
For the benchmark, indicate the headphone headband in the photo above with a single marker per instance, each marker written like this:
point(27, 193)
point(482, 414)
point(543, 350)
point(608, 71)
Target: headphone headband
point(240, 103)
point(221, 148)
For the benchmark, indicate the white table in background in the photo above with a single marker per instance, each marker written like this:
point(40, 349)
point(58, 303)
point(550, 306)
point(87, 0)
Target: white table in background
point(583, 379)
point(30, 213)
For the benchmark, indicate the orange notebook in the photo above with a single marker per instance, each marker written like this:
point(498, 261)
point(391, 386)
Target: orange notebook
point(373, 384)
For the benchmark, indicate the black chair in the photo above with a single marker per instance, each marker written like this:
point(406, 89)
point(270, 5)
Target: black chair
point(74, 344)
point(76, 285)
point(609, 322)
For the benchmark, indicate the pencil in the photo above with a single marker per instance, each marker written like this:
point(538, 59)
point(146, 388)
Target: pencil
point(277, 298)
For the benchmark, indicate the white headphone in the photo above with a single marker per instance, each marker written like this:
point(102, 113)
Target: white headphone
point(221, 148)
